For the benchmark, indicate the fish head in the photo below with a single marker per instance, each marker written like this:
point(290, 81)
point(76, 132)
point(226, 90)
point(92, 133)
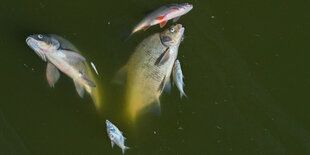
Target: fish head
point(42, 44)
point(111, 130)
point(179, 9)
point(109, 124)
point(172, 36)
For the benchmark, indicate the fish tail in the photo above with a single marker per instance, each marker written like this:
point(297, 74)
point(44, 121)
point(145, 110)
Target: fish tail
point(128, 34)
point(183, 94)
point(125, 148)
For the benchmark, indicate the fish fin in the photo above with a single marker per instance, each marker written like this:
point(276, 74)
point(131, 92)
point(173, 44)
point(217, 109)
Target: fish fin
point(163, 23)
point(126, 34)
point(120, 77)
point(183, 94)
point(52, 74)
point(163, 58)
point(79, 88)
point(176, 19)
point(160, 17)
point(125, 148)
point(112, 143)
point(88, 81)
point(161, 86)
point(146, 27)
point(167, 88)
point(73, 57)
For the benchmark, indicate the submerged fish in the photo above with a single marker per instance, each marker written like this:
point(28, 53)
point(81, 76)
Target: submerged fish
point(162, 15)
point(116, 136)
point(149, 68)
point(178, 77)
point(69, 62)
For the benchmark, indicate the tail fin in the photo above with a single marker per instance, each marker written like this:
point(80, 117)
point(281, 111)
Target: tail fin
point(126, 34)
point(183, 94)
point(125, 148)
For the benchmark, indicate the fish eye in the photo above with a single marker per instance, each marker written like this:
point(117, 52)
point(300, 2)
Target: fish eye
point(172, 30)
point(112, 136)
point(40, 36)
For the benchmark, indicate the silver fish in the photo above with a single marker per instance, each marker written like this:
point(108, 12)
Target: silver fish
point(116, 136)
point(162, 15)
point(178, 77)
point(67, 61)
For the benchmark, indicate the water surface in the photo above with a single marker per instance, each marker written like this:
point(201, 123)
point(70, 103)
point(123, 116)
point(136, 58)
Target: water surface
point(246, 72)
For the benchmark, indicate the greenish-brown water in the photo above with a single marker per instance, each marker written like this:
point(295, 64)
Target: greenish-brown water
point(246, 76)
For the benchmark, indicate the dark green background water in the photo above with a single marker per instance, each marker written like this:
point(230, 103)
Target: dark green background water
point(246, 68)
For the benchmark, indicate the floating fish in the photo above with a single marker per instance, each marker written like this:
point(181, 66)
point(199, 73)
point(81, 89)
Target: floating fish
point(149, 68)
point(116, 136)
point(162, 15)
point(94, 67)
point(69, 62)
point(178, 77)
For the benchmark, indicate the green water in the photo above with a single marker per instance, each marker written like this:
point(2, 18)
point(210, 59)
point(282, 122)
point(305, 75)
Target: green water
point(246, 68)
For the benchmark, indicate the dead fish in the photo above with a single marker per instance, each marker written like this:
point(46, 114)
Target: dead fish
point(94, 67)
point(69, 62)
point(178, 77)
point(162, 15)
point(116, 136)
point(149, 68)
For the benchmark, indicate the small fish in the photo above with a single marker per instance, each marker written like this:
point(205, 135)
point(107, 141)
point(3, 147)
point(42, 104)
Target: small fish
point(94, 67)
point(178, 77)
point(162, 15)
point(116, 136)
point(69, 62)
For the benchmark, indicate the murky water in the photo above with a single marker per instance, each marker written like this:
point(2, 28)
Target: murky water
point(246, 73)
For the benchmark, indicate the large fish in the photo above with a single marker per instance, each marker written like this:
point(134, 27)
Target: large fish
point(50, 49)
point(162, 15)
point(149, 68)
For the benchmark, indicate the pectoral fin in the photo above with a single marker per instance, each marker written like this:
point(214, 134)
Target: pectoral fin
point(163, 23)
point(163, 58)
point(52, 74)
point(146, 27)
point(176, 19)
point(73, 57)
point(79, 88)
point(88, 81)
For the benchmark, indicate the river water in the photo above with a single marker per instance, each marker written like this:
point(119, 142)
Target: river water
point(246, 68)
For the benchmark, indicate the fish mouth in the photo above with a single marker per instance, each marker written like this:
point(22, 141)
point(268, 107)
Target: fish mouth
point(187, 6)
point(31, 42)
point(181, 29)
